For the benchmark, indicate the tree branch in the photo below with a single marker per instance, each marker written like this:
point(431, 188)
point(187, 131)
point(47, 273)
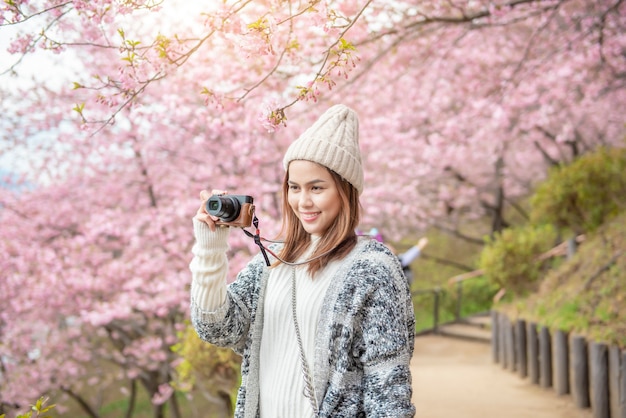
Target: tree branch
point(446, 262)
point(81, 402)
point(460, 235)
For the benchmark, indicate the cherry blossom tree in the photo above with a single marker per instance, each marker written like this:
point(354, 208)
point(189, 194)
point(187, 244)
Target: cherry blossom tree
point(116, 114)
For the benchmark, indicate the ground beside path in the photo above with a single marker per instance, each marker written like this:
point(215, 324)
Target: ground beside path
point(453, 378)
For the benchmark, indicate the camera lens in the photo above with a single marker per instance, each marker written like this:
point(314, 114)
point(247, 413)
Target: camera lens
point(224, 207)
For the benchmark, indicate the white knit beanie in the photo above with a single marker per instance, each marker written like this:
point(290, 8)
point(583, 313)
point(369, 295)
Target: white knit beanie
point(332, 141)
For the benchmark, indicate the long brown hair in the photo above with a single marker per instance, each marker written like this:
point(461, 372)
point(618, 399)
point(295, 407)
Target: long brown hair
point(340, 237)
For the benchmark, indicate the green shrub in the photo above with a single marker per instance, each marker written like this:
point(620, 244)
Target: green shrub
point(579, 197)
point(477, 295)
point(206, 366)
point(511, 258)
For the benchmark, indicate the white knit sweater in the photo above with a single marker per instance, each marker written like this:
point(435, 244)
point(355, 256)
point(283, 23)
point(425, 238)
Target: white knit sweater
point(281, 380)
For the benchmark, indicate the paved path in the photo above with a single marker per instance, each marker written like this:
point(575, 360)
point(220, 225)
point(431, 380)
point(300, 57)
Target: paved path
point(457, 379)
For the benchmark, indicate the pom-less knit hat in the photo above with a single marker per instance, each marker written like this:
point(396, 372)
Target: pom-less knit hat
point(332, 141)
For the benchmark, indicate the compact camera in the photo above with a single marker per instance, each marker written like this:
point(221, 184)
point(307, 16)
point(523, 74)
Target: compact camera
point(233, 210)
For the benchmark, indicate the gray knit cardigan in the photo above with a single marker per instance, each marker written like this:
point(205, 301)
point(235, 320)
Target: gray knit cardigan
point(364, 341)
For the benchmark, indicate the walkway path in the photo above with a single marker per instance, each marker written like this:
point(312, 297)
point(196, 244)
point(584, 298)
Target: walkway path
point(457, 379)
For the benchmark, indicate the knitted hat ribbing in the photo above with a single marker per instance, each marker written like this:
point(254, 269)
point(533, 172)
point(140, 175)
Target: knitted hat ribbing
point(332, 141)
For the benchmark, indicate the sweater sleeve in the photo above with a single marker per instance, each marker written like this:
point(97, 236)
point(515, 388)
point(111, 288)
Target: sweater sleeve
point(209, 267)
point(222, 314)
point(387, 338)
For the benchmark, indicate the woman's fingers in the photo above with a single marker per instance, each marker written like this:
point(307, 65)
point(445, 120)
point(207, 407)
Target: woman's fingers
point(202, 214)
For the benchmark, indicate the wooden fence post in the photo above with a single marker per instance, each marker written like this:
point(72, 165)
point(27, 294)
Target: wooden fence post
point(533, 353)
point(495, 337)
point(617, 382)
point(520, 342)
point(503, 351)
point(599, 379)
point(459, 298)
point(545, 358)
point(622, 390)
point(579, 371)
point(510, 345)
point(561, 363)
point(436, 311)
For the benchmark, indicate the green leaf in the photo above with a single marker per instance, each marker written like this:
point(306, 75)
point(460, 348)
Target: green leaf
point(48, 408)
point(259, 25)
point(345, 45)
point(79, 108)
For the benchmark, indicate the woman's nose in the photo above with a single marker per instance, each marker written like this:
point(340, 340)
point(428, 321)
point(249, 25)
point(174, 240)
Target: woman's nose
point(305, 199)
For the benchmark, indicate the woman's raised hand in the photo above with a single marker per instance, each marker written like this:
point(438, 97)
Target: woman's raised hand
point(202, 215)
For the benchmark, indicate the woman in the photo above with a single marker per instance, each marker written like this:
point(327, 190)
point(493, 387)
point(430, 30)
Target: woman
point(327, 330)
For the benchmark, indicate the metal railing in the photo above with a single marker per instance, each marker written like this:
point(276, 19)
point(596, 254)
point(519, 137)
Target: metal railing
point(439, 305)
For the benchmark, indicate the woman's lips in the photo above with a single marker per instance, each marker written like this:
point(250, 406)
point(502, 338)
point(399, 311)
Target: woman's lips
point(309, 216)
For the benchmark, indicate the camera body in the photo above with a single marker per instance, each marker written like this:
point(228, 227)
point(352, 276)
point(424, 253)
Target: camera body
point(233, 210)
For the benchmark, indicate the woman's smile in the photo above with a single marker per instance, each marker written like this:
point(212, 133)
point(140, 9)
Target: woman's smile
point(309, 216)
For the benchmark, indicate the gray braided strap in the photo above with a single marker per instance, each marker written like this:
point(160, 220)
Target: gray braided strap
point(309, 392)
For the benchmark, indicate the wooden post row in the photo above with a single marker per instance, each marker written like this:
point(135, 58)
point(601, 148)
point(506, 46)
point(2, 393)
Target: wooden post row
point(594, 373)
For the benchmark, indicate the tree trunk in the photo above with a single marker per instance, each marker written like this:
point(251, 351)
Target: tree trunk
point(174, 407)
point(132, 398)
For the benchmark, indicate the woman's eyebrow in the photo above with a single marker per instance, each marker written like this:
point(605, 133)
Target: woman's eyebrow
point(315, 181)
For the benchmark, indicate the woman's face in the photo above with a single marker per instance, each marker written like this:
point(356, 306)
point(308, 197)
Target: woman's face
point(313, 196)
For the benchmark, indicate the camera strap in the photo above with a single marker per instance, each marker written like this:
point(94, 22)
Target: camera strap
point(258, 241)
point(257, 238)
